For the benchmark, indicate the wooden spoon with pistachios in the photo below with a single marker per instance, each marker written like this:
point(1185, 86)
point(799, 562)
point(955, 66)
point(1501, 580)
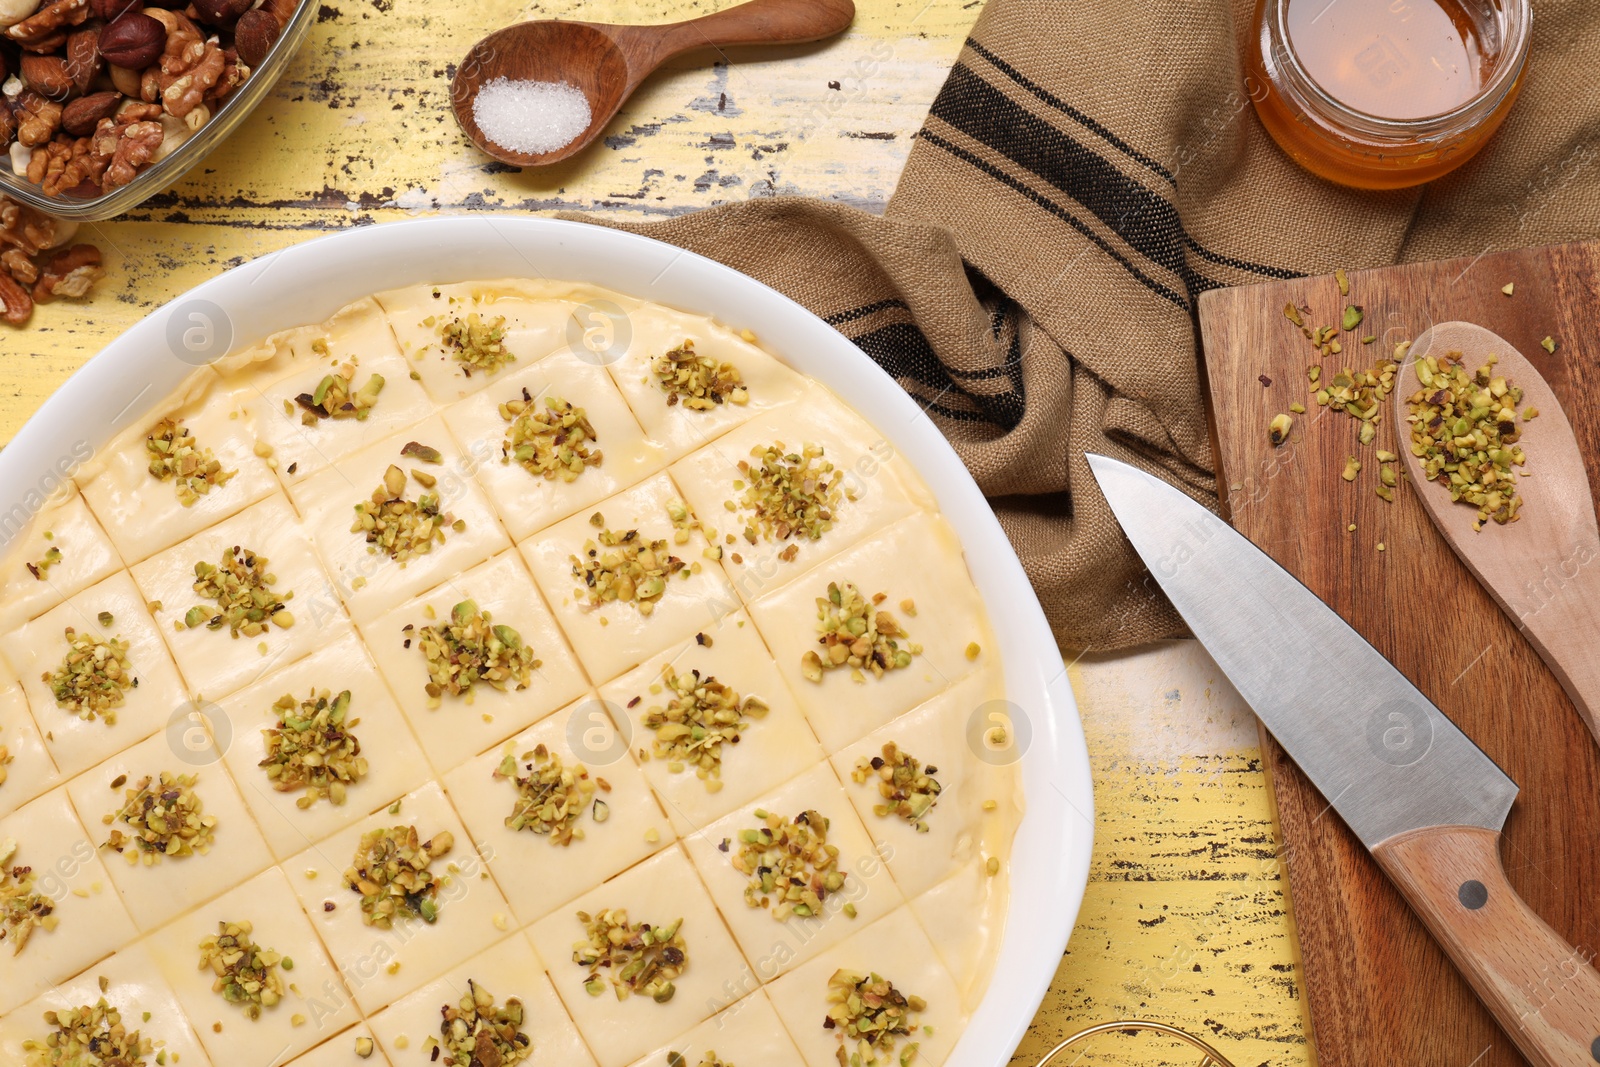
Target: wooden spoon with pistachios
point(1543, 569)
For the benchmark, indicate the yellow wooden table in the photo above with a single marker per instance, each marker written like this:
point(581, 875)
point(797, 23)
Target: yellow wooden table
point(1186, 919)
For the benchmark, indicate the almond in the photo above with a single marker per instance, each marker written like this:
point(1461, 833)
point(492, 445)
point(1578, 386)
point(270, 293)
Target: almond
point(47, 75)
point(83, 56)
point(80, 117)
point(254, 37)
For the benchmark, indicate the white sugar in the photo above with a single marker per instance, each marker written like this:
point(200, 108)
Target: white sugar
point(529, 116)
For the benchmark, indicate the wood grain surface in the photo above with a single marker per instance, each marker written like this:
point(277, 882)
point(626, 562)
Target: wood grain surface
point(1380, 990)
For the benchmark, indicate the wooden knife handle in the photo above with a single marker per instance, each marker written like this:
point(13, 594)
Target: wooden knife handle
point(1543, 992)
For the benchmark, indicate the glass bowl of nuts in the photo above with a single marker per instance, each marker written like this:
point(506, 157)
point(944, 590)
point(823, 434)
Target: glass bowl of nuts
point(105, 102)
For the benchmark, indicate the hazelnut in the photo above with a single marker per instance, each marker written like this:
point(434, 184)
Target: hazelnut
point(219, 12)
point(80, 117)
point(47, 75)
point(133, 41)
point(111, 9)
point(254, 37)
point(282, 10)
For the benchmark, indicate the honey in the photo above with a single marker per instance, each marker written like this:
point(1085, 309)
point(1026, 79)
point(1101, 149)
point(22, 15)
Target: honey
point(1384, 94)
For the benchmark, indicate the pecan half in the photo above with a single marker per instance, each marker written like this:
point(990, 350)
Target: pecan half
point(17, 305)
point(69, 273)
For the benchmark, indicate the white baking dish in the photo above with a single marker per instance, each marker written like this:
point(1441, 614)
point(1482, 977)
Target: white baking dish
point(308, 282)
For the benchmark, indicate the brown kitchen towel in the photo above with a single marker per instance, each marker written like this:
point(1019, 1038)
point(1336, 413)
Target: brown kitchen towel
point(1086, 172)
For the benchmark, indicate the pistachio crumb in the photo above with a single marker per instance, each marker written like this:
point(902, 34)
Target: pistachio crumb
point(312, 748)
point(1464, 431)
point(1508, 288)
point(399, 527)
point(790, 865)
point(246, 974)
point(630, 957)
point(93, 676)
point(167, 820)
point(909, 789)
point(553, 441)
point(392, 876)
point(474, 1032)
point(699, 720)
point(1548, 344)
point(474, 343)
point(623, 566)
point(853, 633)
point(470, 648)
point(551, 796)
point(23, 909)
point(698, 382)
point(176, 457)
point(870, 1016)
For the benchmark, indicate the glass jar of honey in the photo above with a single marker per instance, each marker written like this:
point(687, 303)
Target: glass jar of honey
point(1386, 94)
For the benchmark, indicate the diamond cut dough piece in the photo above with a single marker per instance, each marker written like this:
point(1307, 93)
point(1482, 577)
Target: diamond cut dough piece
point(948, 733)
point(660, 890)
point(285, 366)
point(133, 987)
point(896, 948)
point(140, 513)
point(340, 1051)
point(535, 325)
point(268, 904)
point(395, 760)
point(39, 647)
point(469, 723)
point(31, 770)
point(528, 502)
point(771, 749)
point(66, 868)
point(370, 582)
point(653, 330)
point(86, 558)
point(510, 969)
point(468, 900)
point(539, 876)
point(877, 486)
point(215, 662)
point(918, 558)
point(748, 1031)
point(773, 947)
point(616, 636)
point(159, 892)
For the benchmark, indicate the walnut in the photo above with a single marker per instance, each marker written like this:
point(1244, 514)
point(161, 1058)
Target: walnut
point(49, 22)
point(129, 147)
point(16, 261)
point(68, 273)
point(234, 72)
point(185, 43)
point(16, 306)
point(38, 118)
point(24, 228)
point(64, 164)
point(183, 93)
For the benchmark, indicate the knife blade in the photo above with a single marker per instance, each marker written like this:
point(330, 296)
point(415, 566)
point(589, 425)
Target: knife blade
point(1425, 800)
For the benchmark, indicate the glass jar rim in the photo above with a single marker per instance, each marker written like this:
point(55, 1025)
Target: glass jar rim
point(1517, 34)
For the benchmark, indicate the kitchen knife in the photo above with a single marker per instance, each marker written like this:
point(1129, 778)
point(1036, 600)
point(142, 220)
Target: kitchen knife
point(1421, 796)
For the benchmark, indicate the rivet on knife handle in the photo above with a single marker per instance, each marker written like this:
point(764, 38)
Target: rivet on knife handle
point(1542, 991)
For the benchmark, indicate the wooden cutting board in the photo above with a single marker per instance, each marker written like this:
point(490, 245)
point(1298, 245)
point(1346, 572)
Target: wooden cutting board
point(1379, 989)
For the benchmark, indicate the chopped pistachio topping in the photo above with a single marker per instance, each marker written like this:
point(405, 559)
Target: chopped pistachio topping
point(787, 494)
point(870, 1016)
point(697, 382)
point(402, 529)
point(390, 873)
point(709, 1058)
point(1464, 430)
point(854, 634)
point(474, 343)
point(476, 1033)
point(551, 797)
point(337, 397)
point(166, 818)
point(701, 715)
point(791, 866)
point(470, 648)
point(241, 587)
point(92, 1035)
point(23, 909)
point(246, 974)
point(624, 566)
point(908, 789)
point(175, 457)
point(52, 556)
point(92, 677)
point(312, 747)
point(552, 441)
point(633, 957)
